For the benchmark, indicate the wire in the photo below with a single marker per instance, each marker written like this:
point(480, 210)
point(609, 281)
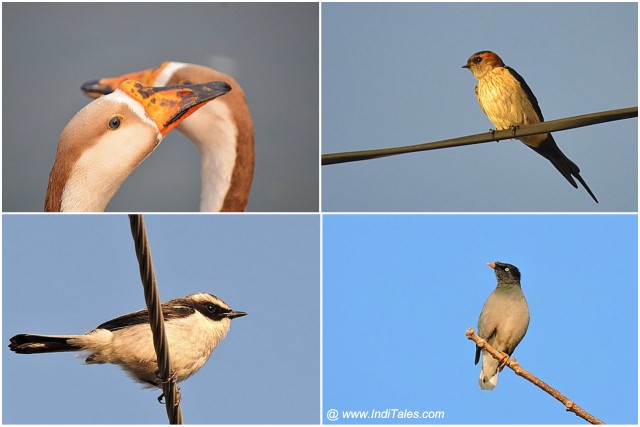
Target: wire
point(553, 125)
point(152, 297)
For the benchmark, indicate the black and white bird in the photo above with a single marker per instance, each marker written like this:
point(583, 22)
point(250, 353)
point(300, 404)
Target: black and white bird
point(194, 326)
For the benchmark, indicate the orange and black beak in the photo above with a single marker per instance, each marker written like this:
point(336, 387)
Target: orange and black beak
point(95, 88)
point(168, 106)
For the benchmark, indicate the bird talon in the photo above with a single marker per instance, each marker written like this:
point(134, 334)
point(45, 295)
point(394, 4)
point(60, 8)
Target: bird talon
point(493, 134)
point(178, 397)
point(514, 129)
point(504, 361)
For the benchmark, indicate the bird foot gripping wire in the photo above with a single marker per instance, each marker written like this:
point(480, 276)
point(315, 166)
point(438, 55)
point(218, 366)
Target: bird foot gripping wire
point(178, 397)
point(493, 134)
point(161, 382)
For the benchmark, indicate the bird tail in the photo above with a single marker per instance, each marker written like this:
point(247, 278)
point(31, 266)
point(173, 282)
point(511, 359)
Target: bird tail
point(489, 372)
point(562, 163)
point(33, 344)
point(488, 383)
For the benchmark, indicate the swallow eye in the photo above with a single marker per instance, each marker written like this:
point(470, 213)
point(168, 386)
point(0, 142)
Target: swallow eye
point(115, 122)
point(477, 59)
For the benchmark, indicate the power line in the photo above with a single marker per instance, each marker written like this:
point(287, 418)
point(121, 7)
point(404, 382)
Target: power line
point(550, 126)
point(152, 297)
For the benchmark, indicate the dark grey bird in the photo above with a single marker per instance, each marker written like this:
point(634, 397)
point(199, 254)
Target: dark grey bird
point(503, 321)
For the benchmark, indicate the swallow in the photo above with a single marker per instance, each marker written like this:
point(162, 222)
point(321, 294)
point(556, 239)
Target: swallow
point(508, 101)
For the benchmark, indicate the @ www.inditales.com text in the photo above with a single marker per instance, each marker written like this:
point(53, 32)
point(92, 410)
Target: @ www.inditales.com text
point(389, 414)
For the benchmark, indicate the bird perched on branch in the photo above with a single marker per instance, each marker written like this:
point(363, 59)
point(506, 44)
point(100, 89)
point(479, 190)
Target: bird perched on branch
point(194, 326)
point(503, 322)
point(508, 101)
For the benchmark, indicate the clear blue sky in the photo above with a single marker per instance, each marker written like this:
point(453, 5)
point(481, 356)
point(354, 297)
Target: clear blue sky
point(392, 76)
point(68, 274)
point(400, 291)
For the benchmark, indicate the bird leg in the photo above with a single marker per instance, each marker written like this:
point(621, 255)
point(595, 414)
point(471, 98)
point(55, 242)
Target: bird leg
point(493, 134)
point(178, 397)
point(514, 130)
point(504, 361)
point(160, 383)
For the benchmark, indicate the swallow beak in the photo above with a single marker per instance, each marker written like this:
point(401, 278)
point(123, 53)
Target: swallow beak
point(234, 314)
point(492, 265)
point(168, 106)
point(95, 88)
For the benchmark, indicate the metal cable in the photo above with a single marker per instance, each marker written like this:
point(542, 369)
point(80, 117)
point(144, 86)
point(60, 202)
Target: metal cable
point(151, 296)
point(552, 125)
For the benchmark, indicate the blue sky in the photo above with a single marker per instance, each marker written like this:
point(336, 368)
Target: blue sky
point(399, 292)
point(392, 76)
point(68, 274)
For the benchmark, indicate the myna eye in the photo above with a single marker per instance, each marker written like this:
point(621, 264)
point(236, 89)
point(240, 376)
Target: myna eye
point(115, 122)
point(506, 269)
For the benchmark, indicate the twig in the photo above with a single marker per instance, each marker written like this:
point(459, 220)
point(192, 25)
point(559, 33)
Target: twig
point(550, 126)
point(151, 295)
point(515, 366)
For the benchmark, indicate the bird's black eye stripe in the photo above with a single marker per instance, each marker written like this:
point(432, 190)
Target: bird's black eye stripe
point(212, 311)
point(115, 122)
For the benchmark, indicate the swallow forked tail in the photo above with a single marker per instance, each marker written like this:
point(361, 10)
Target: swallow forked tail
point(566, 167)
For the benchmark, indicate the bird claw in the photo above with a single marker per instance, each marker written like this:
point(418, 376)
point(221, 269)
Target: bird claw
point(161, 382)
point(504, 361)
point(514, 129)
point(493, 134)
point(178, 397)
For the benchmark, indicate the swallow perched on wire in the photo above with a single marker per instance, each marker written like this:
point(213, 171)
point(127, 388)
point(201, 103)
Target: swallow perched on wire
point(508, 101)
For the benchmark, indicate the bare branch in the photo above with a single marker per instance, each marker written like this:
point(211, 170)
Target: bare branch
point(515, 366)
point(550, 126)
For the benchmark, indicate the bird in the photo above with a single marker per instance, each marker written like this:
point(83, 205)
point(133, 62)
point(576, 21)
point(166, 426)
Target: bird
point(222, 131)
point(503, 322)
point(108, 138)
point(194, 326)
point(508, 101)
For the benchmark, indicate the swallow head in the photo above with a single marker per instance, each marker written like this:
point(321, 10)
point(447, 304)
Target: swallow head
point(480, 63)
